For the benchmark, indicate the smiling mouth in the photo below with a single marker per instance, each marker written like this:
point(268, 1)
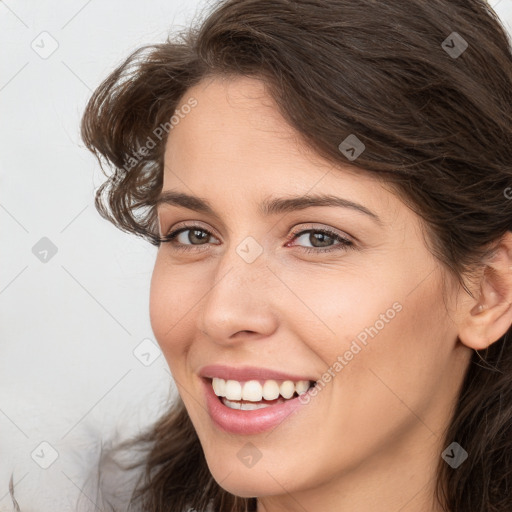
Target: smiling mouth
point(257, 394)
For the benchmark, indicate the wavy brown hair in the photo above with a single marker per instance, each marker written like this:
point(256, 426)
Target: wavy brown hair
point(437, 126)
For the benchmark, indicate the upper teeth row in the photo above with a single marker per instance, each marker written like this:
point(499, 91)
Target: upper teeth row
point(253, 391)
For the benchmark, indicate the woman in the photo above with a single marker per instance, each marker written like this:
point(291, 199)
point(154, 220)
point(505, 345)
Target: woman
point(328, 183)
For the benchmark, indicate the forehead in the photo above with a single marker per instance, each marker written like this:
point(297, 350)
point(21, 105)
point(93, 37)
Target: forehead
point(235, 120)
point(235, 143)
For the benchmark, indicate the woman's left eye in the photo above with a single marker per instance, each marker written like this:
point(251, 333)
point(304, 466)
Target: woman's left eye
point(323, 237)
point(324, 234)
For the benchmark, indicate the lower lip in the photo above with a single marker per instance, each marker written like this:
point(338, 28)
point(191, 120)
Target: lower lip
point(236, 421)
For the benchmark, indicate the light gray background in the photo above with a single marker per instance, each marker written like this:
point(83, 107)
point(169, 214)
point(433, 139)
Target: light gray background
point(70, 325)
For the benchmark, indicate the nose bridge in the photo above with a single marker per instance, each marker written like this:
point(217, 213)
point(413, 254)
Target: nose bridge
point(238, 299)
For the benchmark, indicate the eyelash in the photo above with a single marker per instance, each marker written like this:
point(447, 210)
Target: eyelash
point(344, 243)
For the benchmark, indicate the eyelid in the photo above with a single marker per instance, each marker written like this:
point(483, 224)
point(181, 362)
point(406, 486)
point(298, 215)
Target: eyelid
point(189, 225)
point(315, 227)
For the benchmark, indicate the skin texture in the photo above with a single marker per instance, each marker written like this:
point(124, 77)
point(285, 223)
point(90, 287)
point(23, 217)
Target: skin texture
point(371, 438)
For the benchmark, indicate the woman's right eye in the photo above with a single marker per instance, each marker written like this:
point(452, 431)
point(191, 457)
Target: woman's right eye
point(179, 237)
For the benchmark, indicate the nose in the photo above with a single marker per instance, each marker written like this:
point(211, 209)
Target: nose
point(239, 304)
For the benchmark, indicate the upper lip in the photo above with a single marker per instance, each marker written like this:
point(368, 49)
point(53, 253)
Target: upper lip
point(245, 373)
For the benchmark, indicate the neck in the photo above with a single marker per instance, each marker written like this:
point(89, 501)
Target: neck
point(403, 478)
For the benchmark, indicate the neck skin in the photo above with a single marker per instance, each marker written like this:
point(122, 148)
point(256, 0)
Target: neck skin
point(401, 481)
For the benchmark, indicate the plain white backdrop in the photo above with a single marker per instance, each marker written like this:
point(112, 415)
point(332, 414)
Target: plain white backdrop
point(78, 359)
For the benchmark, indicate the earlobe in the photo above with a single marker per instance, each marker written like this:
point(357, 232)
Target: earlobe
point(490, 315)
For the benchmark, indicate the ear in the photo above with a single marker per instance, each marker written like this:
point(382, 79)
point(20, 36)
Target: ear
point(489, 317)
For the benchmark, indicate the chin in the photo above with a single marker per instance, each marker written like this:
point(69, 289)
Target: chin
point(247, 484)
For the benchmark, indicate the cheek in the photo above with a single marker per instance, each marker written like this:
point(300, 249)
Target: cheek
point(395, 362)
point(374, 327)
point(170, 300)
point(333, 308)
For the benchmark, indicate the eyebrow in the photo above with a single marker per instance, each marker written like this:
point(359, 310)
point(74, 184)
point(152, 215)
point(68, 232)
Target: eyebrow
point(269, 206)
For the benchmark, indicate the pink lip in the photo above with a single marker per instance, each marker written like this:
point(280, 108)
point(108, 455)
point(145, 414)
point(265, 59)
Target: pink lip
point(246, 373)
point(237, 421)
point(247, 422)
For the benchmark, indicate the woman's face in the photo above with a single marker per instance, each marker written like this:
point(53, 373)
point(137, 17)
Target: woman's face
point(256, 293)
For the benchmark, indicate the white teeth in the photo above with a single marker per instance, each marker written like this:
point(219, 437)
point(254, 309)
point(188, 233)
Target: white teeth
point(254, 391)
point(287, 389)
point(243, 406)
point(219, 387)
point(233, 390)
point(270, 390)
point(302, 386)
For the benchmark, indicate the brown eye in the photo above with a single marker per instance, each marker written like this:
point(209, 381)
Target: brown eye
point(195, 236)
point(187, 237)
point(321, 240)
